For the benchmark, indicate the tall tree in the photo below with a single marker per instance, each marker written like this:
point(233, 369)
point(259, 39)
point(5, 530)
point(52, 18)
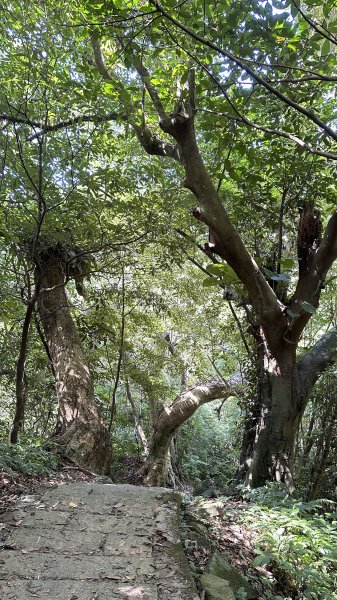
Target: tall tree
point(279, 319)
point(188, 98)
point(81, 430)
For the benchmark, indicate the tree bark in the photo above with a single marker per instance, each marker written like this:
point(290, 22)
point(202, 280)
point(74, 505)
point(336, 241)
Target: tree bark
point(270, 453)
point(154, 470)
point(282, 394)
point(20, 384)
point(81, 433)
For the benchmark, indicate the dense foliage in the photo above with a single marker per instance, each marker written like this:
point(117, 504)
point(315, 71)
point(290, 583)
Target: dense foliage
point(131, 133)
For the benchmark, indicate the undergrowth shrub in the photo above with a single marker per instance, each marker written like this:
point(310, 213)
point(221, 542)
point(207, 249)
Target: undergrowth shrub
point(207, 447)
point(28, 459)
point(300, 537)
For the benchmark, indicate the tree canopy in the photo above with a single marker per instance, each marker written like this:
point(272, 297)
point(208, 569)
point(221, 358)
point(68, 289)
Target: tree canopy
point(172, 166)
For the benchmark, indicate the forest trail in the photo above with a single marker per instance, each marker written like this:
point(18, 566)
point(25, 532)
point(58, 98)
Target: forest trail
point(95, 542)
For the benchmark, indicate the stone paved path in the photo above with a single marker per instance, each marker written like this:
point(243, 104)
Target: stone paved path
point(95, 542)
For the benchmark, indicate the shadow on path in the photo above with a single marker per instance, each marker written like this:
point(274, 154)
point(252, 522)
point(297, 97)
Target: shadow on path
point(95, 542)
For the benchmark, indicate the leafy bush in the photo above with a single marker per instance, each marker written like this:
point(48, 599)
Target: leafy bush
point(124, 441)
point(30, 459)
point(208, 448)
point(300, 537)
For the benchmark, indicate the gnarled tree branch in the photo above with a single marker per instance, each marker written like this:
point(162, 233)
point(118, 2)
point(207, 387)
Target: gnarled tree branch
point(310, 284)
point(172, 417)
point(316, 360)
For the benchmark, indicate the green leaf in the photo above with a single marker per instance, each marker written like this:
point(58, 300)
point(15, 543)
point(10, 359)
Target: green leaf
point(287, 263)
point(267, 272)
point(262, 559)
point(275, 276)
point(225, 272)
point(326, 47)
point(216, 270)
point(307, 306)
point(292, 314)
point(210, 282)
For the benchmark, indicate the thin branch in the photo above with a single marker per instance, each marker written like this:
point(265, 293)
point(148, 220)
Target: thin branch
point(280, 229)
point(240, 63)
point(113, 116)
point(316, 77)
point(136, 418)
point(152, 90)
point(221, 285)
point(150, 141)
point(288, 136)
point(19, 120)
point(120, 357)
point(316, 26)
point(237, 321)
point(98, 57)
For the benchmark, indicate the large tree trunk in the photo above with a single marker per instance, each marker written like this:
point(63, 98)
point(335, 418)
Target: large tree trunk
point(82, 433)
point(282, 394)
point(269, 456)
point(155, 468)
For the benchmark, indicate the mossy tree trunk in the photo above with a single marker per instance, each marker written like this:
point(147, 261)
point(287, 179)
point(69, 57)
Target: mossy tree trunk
point(81, 432)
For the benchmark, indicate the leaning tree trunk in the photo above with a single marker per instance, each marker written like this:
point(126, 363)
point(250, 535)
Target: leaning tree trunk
point(82, 433)
point(155, 468)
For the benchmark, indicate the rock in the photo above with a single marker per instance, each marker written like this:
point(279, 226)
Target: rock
point(220, 567)
point(216, 588)
point(209, 509)
point(200, 539)
point(103, 479)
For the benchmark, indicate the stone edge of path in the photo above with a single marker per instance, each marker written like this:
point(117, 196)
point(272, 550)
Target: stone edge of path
point(173, 577)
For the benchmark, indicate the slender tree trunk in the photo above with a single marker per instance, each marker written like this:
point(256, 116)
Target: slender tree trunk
point(323, 450)
point(120, 357)
point(20, 376)
point(20, 385)
point(82, 433)
point(309, 437)
point(136, 417)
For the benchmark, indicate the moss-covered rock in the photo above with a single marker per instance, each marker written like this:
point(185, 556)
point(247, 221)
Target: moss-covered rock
point(220, 567)
point(216, 588)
